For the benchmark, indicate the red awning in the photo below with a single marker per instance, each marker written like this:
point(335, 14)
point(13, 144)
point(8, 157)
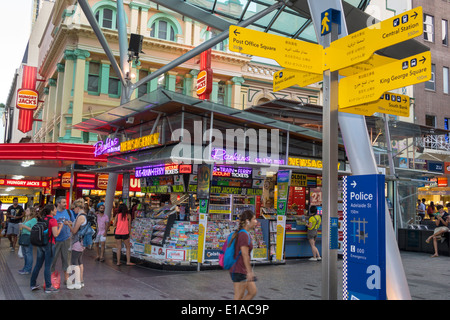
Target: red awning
point(80, 153)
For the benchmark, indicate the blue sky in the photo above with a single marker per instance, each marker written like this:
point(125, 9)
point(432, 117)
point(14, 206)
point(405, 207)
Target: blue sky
point(15, 27)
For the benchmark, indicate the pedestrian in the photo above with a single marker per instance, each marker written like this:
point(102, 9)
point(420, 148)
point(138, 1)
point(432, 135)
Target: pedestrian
point(102, 230)
point(2, 222)
point(122, 225)
point(242, 273)
point(63, 240)
point(14, 215)
point(76, 261)
point(420, 209)
point(441, 228)
point(24, 239)
point(44, 253)
point(431, 210)
point(313, 225)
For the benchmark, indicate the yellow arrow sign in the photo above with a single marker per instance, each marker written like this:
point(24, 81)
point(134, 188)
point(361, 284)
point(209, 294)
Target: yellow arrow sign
point(360, 46)
point(390, 103)
point(374, 61)
point(289, 53)
point(368, 86)
point(288, 77)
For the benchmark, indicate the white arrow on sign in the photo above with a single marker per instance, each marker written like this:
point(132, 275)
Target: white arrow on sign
point(354, 184)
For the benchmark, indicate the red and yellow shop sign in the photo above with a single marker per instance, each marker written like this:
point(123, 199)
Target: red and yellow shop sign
point(65, 180)
point(204, 82)
point(102, 181)
point(27, 99)
point(442, 182)
point(24, 183)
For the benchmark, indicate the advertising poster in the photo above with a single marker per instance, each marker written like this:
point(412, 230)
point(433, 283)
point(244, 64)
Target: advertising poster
point(281, 230)
point(203, 222)
point(283, 179)
point(203, 181)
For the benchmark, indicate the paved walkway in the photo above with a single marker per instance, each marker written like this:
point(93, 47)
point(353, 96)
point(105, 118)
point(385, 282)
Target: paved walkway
point(428, 278)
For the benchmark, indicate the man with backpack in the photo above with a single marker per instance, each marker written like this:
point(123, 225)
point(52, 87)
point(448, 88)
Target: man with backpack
point(62, 241)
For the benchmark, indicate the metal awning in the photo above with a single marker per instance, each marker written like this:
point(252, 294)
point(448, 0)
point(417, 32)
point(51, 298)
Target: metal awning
point(148, 107)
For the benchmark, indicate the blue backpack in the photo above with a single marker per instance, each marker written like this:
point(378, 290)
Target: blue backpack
point(226, 257)
point(85, 234)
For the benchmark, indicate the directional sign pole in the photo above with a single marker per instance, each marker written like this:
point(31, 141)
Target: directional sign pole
point(329, 173)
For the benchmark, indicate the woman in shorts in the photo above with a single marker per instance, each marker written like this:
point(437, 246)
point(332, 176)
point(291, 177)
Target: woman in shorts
point(76, 261)
point(122, 225)
point(241, 272)
point(313, 225)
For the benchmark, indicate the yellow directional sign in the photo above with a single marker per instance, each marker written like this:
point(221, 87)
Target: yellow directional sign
point(390, 103)
point(360, 46)
point(374, 61)
point(289, 53)
point(370, 85)
point(288, 77)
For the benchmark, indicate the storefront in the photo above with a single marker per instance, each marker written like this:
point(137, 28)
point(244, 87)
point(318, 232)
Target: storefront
point(186, 215)
point(33, 170)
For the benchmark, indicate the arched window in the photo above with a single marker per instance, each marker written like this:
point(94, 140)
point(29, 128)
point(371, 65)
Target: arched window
point(221, 46)
point(106, 18)
point(163, 29)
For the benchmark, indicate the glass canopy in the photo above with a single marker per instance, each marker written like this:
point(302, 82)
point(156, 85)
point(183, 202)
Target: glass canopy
point(285, 21)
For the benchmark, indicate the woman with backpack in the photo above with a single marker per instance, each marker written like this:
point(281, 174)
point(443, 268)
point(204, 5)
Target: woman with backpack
point(44, 252)
point(76, 262)
point(24, 239)
point(242, 273)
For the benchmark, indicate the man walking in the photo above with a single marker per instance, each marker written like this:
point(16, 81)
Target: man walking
point(62, 241)
point(14, 215)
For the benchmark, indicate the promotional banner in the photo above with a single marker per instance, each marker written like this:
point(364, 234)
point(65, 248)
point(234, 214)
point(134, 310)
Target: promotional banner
point(281, 230)
point(283, 179)
point(202, 228)
point(27, 99)
point(364, 247)
point(203, 181)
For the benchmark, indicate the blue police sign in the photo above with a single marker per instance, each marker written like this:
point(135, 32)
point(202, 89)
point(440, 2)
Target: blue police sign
point(364, 246)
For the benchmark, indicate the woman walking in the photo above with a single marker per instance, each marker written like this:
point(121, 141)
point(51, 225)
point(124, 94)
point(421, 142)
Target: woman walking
point(24, 239)
point(122, 225)
point(44, 253)
point(242, 273)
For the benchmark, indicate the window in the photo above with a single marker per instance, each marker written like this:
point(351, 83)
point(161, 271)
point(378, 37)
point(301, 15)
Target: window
point(142, 89)
point(220, 46)
point(430, 120)
point(445, 79)
point(445, 32)
point(106, 18)
point(221, 92)
point(446, 127)
point(93, 77)
point(179, 84)
point(431, 85)
point(163, 29)
point(113, 84)
point(428, 25)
